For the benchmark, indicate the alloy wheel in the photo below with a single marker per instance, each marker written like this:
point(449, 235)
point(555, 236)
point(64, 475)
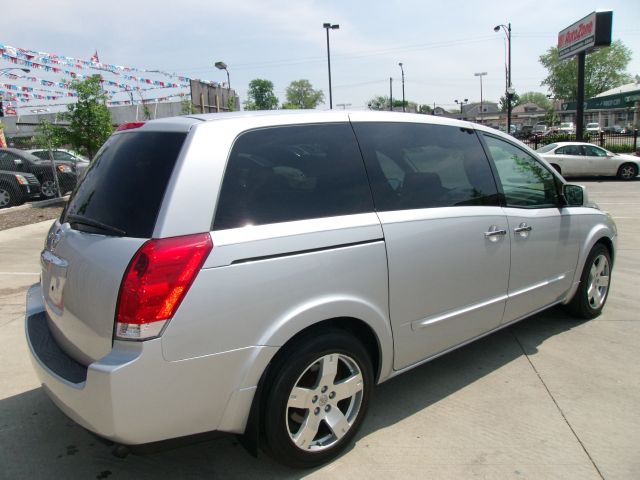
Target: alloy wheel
point(48, 188)
point(598, 282)
point(5, 198)
point(324, 402)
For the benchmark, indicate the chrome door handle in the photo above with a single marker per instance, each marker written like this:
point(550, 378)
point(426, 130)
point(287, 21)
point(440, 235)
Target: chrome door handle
point(494, 232)
point(523, 230)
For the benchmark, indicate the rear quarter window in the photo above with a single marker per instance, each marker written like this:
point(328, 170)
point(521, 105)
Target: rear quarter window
point(126, 182)
point(289, 173)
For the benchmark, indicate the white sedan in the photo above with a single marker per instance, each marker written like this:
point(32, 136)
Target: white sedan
point(574, 159)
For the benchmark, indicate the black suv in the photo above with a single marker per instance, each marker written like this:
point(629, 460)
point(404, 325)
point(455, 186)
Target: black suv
point(21, 161)
point(16, 187)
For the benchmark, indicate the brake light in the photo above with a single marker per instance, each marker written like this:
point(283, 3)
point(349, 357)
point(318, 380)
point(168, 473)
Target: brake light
point(129, 126)
point(155, 282)
point(21, 180)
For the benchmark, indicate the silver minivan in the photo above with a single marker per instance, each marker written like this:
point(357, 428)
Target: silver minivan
point(259, 273)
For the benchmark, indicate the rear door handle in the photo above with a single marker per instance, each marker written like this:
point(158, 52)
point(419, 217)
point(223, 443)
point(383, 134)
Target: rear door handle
point(523, 229)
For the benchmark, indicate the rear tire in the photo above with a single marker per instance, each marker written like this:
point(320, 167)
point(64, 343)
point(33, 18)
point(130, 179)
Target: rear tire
point(7, 197)
point(316, 398)
point(595, 280)
point(627, 171)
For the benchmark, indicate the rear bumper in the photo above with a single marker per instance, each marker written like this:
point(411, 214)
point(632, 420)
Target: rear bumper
point(134, 396)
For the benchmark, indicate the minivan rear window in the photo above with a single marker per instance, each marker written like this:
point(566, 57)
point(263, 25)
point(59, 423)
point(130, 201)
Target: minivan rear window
point(123, 188)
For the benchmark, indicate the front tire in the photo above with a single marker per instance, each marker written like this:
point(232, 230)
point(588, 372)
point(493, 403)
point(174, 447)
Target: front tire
point(593, 291)
point(316, 399)
point(627, 171)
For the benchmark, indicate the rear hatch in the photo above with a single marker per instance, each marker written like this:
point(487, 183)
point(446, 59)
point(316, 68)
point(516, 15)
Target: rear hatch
point(109, 216)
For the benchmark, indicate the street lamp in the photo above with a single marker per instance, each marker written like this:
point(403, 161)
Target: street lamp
point(223, 66)
point(509, 91)
point(462, 102)
point(402, 69)
point(480, 74)
point(327, 27)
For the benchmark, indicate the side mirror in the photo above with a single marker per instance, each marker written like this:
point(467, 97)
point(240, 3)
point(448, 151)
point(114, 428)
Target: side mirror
point(574, 195)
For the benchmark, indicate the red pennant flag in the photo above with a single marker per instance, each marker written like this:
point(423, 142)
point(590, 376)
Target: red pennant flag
point(94, 57)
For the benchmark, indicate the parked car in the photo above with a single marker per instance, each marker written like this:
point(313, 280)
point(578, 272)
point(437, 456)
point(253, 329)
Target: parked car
point(576, 158)
point(16, 187)
point(25, 162)
point(325, 252)
point(77, 162)
point(593, 128)
point(567, 127)
point(615, 129)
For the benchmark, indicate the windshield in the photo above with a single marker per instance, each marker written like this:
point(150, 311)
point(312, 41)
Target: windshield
point(547, 148)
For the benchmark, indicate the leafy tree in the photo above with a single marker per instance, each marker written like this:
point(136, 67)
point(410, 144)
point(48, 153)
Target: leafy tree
point(515, 101)
point(187, 107)
point(604, 69)
point(425, 109)
point(261, 96)
point(379, 102)
point(540, 99)
point(89, 118)
point(301, 95)
point(50, 135)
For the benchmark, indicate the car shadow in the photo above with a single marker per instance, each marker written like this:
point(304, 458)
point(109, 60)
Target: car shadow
point(39, 441)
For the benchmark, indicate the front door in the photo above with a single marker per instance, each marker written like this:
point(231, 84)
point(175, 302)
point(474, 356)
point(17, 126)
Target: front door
point(544, 246)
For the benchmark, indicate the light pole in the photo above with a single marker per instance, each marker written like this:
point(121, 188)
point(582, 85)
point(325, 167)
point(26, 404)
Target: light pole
point(327, 26)
point(403, 104)
point(391, 94)
point(223, 66)
point(480, 74)
point(509, 91)
point(462, 102)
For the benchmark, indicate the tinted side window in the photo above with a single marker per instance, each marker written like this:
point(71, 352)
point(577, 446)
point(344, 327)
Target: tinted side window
point(289, 173)
point(569, 150)
point(127, 180)
point(525, 181)
point(414, 165)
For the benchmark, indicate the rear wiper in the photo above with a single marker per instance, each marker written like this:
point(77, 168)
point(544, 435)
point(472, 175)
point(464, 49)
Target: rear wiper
point(82, 220)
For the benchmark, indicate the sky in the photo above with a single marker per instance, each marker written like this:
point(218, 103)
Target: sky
point(441, 44)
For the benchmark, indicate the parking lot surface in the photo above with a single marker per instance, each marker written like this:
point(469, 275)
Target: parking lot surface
point(549, 398)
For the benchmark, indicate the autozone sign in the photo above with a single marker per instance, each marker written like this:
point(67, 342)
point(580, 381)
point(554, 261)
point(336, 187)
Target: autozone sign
point(589, 33)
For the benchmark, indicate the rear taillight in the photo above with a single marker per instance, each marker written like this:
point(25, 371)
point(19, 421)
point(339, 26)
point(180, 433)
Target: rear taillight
point(155, 282)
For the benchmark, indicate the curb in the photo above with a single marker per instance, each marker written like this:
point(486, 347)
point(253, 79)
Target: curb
point(41, 204)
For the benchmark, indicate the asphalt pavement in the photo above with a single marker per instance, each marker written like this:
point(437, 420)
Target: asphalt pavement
point(549, 398)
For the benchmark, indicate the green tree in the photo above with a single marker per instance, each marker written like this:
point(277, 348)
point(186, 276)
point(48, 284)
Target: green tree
point(301, 95)
point(425, 109)
point(50, 135)
point(604, 69)
point(540, 99)
point(260, 95)
point(515, 101)
point(89, 118)
point(379, 102)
